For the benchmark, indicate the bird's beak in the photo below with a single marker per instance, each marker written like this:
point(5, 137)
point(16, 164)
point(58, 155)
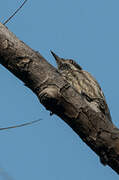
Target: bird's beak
point(57, 58)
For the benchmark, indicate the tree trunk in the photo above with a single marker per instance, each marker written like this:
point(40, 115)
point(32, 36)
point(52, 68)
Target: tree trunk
point(60, 98)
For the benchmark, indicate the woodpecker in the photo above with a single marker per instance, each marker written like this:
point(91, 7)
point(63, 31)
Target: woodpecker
point(83, 82)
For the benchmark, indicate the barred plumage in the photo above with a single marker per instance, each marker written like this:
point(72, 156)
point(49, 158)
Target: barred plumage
point(82, 82)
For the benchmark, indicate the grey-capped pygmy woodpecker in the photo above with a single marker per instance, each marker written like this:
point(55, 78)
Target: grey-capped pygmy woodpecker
point(83, 83)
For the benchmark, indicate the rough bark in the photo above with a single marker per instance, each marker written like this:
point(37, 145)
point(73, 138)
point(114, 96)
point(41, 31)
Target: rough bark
point(60, 98)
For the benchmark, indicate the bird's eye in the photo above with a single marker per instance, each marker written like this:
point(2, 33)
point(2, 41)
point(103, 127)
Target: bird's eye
point(64, 66)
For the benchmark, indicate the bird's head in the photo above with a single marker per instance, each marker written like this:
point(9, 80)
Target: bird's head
point(66, 64)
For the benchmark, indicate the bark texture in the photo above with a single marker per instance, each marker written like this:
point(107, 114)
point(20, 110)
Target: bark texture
point(60, 98)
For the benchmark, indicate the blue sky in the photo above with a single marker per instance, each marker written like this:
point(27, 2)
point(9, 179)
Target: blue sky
point(87, 31)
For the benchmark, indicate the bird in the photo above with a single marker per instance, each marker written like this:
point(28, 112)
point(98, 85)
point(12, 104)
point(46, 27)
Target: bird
point(83, 82)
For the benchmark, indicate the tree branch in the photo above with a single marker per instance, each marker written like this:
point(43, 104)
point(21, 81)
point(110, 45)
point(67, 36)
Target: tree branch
point(60, 98)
